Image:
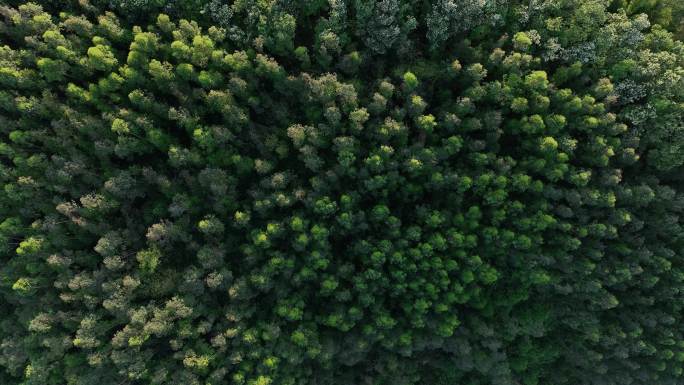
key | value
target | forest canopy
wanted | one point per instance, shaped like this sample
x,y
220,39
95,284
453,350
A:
x,y
333,192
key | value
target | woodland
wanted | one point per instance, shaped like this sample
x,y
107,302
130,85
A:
x,y
342,192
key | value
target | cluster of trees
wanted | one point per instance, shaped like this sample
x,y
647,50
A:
x,y
341,192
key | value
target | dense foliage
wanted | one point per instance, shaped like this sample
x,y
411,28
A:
x,y
341,192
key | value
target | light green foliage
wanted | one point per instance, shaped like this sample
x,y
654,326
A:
x,y
521,41
148,259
